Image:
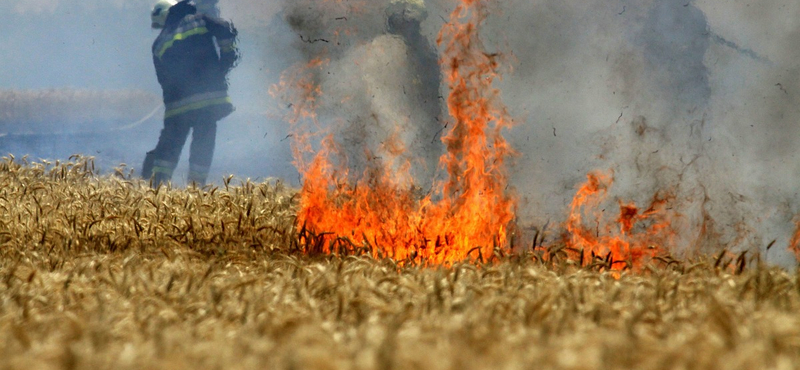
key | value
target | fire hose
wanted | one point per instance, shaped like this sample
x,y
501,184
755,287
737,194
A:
x,y
139,122
128,126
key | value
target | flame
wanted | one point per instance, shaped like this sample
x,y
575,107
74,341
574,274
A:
x,y
468,214
631,239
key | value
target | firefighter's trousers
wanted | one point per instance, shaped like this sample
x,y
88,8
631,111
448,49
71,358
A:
x,y
160,163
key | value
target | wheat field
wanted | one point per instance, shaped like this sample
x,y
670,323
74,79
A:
x,y
102,272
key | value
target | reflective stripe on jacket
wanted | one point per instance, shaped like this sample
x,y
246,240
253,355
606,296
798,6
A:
x,y
196,101
190,26
191,70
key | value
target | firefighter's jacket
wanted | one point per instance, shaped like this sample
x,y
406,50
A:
x,y
192,56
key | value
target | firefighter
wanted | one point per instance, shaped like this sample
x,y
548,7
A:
x,y
192,56
404,18
676,38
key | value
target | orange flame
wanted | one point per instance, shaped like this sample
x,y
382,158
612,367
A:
x,y
633,238
472,211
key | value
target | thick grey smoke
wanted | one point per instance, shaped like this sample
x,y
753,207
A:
x,y
669,95
692,98
646,89
381,95
667,109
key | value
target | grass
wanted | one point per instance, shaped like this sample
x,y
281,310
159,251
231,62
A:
x,y
101,272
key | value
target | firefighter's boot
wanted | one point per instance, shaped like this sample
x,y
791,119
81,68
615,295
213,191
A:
x,y
162,172
147,166
198,175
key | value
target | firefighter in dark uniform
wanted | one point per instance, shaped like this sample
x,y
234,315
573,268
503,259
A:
x,y
676,38
404,19
192,55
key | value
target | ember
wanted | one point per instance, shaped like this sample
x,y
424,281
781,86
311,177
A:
x,y
794,242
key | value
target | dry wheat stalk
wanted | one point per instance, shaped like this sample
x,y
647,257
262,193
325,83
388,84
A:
x,y
101,272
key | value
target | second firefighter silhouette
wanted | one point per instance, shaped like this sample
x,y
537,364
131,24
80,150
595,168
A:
x,y
404,19
192,56
676,38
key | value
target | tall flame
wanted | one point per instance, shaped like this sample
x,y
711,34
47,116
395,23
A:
x,y
467,215
469,212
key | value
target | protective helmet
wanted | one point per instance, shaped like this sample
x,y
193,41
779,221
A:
x,y
402,12
158,16
408,9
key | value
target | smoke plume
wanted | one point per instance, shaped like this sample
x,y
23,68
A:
x,y
689,98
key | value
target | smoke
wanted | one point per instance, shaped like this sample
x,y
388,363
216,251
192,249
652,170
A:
x,y
691,98
381,93
600,84
643,89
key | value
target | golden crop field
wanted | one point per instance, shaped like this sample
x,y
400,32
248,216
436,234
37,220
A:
x,y
102,272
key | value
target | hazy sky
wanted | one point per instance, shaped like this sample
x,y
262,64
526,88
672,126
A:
x,y
49,44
